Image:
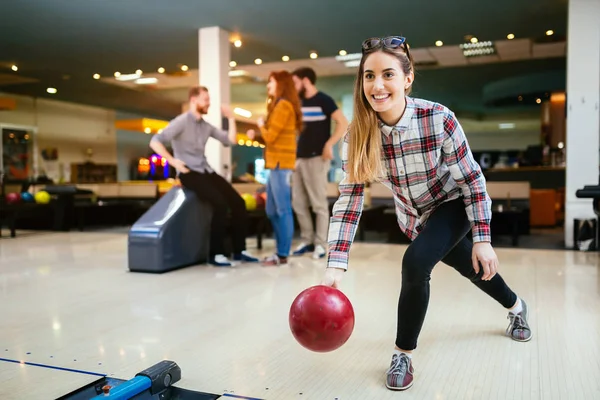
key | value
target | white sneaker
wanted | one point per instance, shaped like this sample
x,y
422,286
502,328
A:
x,y
221,261
319,252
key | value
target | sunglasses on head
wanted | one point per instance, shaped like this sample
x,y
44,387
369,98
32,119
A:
x,y
390,42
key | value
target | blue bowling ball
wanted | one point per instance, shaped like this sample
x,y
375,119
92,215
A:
x,y
27,197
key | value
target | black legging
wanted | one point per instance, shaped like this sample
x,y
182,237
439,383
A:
x,y
214,189
442,239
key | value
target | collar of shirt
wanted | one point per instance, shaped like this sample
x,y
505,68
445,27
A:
x,y
193,117
404,122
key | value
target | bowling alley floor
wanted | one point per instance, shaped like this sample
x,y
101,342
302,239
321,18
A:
x,y
67,300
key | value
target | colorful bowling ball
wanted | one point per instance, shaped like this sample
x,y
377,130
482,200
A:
x,y
250,201
13,198
321,318
42,197
27,197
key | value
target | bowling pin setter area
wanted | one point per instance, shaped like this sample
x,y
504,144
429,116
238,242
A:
x,y
72,314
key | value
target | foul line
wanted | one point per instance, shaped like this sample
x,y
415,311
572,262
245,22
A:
x,y
52,367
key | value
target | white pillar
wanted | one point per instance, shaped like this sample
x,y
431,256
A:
x,y
583,109
214,54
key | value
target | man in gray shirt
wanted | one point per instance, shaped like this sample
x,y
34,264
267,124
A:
x,y
188,134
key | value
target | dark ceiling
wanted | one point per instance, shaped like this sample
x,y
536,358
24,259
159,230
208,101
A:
x,y
65,42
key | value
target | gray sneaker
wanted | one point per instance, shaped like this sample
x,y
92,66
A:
x,y
518,328
400,373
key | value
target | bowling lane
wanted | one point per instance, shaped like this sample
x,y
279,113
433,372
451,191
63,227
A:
x,y
21,381
71,297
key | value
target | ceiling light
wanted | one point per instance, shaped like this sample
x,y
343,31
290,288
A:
x,y
510,36
161,70
237,73
549,32
352,63
478,49
51,90
343,52
507,125
117,74
232,64
237,43
14,68
349,57
242,112
184,67
314,55
474,40
138,71
126,77
96,76
538,100
258,61
285,58
146,81
439,43
147,130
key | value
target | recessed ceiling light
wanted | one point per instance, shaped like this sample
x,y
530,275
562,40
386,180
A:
x,y
510,36
117,74
474,40
161,70
232,64
96,76
549,32
343,52
51,90
14,68
184,67
285,58
439,43
138,71
258,61
314,55
538,100
237,43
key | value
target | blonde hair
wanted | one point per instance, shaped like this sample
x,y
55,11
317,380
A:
x,y
364,137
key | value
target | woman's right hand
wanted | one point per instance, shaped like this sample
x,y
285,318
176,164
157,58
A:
x,y
333,277
179,166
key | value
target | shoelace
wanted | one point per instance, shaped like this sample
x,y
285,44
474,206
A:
x,y
399,366
516,321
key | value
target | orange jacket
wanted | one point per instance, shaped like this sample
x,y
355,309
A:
x,y
279,136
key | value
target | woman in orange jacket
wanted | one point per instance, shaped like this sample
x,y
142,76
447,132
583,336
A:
x,y
279,134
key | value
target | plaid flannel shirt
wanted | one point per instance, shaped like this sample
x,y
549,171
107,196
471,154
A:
x,y
427,161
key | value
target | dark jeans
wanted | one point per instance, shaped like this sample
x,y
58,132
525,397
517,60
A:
x,y
442,239
214,189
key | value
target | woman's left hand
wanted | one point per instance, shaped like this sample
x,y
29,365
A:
x,y
260,122
484,253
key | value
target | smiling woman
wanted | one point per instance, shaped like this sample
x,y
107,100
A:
x,y
419,151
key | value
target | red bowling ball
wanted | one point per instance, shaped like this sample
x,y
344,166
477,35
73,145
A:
x,y
321,318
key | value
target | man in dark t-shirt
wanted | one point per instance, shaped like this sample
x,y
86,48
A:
x,y
314,155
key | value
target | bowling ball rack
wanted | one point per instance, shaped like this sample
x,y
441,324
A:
x,y
154,383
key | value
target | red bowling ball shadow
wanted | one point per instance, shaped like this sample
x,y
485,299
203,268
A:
x,y
321,318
